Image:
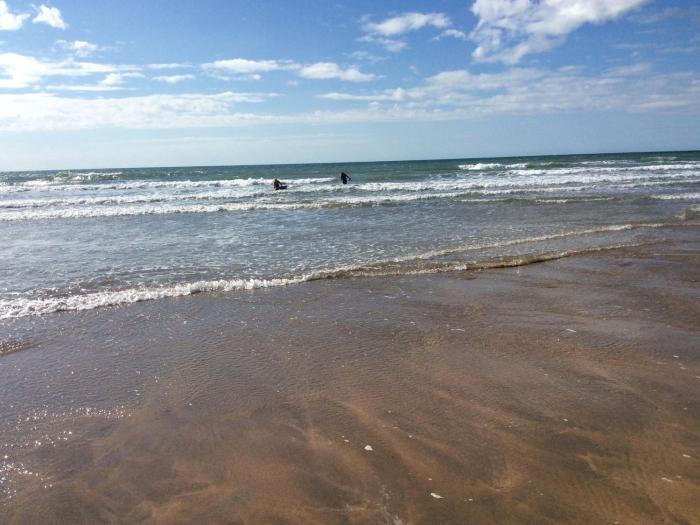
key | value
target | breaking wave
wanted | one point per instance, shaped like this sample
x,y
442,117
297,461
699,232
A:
x,y
406,265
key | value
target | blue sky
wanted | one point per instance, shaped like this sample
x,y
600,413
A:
x,y
164,83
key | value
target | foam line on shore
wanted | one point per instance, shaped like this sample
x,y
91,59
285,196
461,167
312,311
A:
x,y
22,307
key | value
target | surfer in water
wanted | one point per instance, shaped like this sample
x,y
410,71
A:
x,y
278,185
344,177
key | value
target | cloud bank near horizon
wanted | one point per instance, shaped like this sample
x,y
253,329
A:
x,y
491,58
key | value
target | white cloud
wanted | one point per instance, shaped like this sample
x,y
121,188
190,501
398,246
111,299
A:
x,y
401,24
632,88
247,69
390,44
171,65
50,16
384,33
20,71
366,57
390,95
79,48
8,20
450,95
252,69
83,87
44,111
174,79
328,70
510,29
243,66
452,33
112,80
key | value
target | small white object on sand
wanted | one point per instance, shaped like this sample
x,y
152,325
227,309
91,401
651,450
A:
x,y
436,496
368,448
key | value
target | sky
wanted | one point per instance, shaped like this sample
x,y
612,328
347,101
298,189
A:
x,y
103,84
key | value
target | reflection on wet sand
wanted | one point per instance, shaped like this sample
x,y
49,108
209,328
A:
x,y
565,392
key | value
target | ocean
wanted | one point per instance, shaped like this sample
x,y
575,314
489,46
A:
x,y
83,239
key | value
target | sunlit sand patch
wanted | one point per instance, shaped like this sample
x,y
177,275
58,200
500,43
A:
x,y
516,423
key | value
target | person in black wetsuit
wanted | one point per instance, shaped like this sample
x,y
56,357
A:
x,y
278,185
344,177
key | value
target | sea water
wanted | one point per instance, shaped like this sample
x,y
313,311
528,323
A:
x,y
82,239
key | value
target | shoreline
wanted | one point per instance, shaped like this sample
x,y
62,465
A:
x,y
561,392
431,262
341,164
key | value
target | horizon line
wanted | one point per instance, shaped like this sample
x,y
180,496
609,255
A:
x,y
431,159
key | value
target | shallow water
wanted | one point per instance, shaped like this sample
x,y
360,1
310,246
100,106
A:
x,y
564,392
82,239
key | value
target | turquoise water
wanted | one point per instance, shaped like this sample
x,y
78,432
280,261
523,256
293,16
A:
x,y
82,239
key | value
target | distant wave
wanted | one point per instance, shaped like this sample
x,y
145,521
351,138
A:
x,y
253,191
585,166
64,177
516,177
116,211
534,200
164,203
405,265
481,166
690,166
60,184
674,197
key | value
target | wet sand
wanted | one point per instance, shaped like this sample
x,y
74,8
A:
x,y
561,392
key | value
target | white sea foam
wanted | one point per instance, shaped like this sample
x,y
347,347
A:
x,y
117,211
686,166
92,175
481,166
79,212
600,165
22,306
677,196
513,178
456,186
541,201
60,184
141,198
537,238
368,194
523,180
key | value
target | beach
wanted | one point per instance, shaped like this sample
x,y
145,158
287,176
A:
x,y
350,263
560,392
